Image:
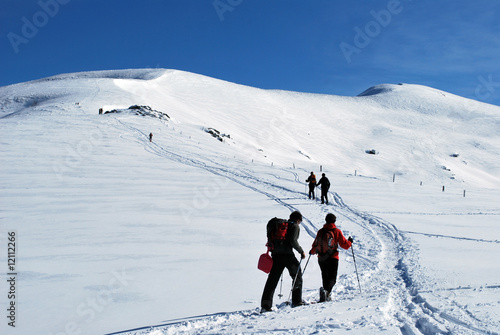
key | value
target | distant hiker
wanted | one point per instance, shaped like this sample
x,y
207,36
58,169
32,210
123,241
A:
x,y
100,111
325,186
150,137
282,238
326,246
312,184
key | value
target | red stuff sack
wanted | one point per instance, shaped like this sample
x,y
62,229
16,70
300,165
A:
x,y
265,262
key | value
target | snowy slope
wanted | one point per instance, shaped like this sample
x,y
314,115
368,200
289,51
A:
x,y
115,232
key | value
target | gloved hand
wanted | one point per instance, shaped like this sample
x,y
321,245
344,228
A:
x,y
303,255
350,239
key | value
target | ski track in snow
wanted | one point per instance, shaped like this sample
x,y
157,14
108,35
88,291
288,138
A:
x,y
387,259
452,237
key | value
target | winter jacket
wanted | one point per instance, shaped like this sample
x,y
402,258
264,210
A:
x,y
311,180
291,242
340,240
324,182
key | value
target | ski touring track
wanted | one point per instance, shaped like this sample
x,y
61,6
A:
x,y
387,263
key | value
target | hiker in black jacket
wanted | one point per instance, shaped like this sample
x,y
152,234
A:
x,y
325,186
283,257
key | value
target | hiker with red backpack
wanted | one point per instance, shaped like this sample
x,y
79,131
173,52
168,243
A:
x,y
282,239
326,244
312,184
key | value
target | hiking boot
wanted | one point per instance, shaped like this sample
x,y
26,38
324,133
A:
x,y
322,295
297,304
265,309
328,296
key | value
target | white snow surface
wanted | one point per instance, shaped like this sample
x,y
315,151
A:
x,y
117,234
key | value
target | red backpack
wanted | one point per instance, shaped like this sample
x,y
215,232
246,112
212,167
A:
x,y
276,231
326,243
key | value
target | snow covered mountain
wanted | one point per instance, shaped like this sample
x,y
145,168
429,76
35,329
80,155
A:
x,y
117,232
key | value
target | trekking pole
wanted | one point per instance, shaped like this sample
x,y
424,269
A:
x,y
305,267
281,286
355,267
294,280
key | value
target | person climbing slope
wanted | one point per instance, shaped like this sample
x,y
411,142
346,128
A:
x,y
282,240
312,184
325,245
325,186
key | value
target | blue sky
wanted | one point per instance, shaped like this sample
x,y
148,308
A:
x,y
337,47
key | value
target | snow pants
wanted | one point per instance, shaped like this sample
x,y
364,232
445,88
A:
x,y
329,268
280,262
311,191
324,195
